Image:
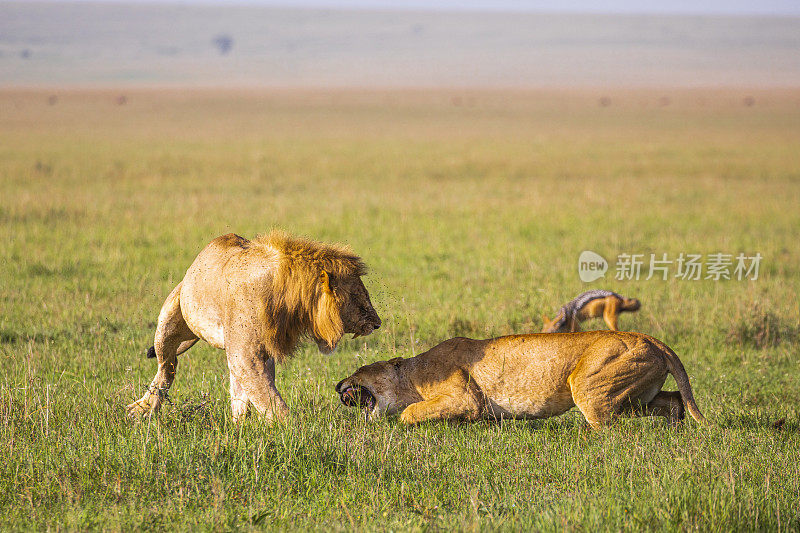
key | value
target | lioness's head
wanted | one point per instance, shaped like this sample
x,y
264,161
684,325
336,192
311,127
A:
x,y
381,388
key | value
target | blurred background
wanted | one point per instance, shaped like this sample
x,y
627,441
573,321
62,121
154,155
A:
x,y
380,43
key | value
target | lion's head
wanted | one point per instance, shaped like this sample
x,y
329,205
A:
x,y
317,291
343,307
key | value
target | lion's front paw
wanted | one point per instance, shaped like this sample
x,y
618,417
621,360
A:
x,y
276,413
409,416
138,409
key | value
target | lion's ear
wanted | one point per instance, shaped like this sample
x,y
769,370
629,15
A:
x,y
545,319
328,325
325,282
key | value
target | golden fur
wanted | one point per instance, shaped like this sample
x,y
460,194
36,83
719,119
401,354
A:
x,y
256,300
605,374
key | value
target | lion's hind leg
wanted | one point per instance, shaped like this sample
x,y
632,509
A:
x,y
172,337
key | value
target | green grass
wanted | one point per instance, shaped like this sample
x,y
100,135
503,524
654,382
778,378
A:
x,y
471,218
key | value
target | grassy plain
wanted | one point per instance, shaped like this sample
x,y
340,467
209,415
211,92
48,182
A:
x,y
471,209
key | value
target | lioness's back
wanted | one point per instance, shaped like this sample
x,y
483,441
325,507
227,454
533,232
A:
x,y
527,375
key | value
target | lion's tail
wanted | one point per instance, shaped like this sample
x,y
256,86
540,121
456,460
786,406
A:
x,y
151,352
682,379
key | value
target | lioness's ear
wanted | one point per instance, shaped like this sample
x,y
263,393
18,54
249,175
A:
x,y
545,319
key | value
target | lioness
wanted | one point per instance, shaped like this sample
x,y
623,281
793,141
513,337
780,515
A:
x,y
605,374
256,299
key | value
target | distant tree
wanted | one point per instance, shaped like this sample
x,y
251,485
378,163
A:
x,y
224,43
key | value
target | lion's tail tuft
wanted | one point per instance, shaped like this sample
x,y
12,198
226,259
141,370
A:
x,y
151,352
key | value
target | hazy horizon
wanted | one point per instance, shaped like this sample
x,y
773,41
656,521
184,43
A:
x,y
678,7
155,44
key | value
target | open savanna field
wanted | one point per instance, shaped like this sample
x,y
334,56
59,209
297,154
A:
x,y
470,208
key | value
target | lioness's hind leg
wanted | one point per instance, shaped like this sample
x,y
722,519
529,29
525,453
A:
x,y
614,379
668,404
172,336
601,405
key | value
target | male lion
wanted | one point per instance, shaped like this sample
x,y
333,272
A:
x,y
605,374
256,300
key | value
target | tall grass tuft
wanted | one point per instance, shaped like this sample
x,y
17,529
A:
x,y
757,326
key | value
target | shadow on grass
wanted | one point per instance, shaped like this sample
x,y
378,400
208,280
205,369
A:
x,y
759,421
10,336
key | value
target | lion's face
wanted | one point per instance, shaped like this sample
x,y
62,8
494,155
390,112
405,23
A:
x,y
358,315
380,389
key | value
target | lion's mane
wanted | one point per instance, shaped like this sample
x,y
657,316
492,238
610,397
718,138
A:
x,y
302,299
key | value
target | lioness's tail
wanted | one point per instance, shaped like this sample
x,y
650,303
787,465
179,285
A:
x,y
151,352
682,379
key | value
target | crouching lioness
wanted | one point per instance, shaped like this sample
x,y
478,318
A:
x,y
606,374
